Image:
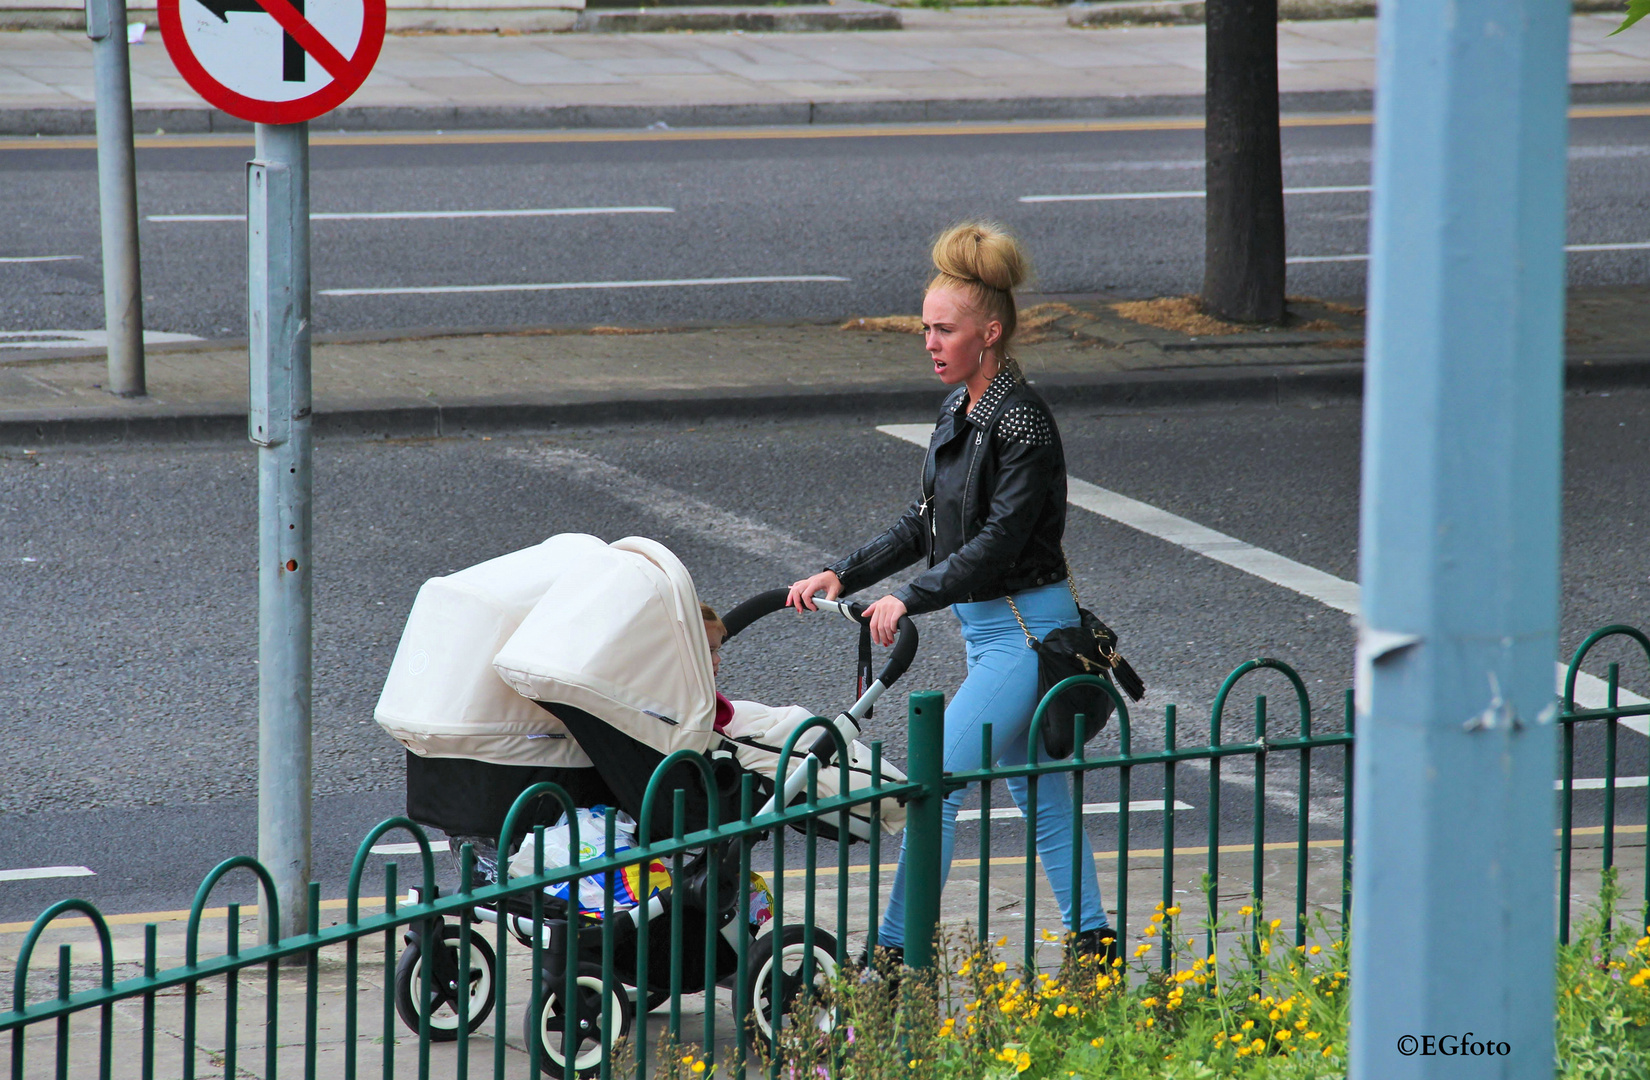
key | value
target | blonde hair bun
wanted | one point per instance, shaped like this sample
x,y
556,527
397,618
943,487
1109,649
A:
x,y
982,252
983,261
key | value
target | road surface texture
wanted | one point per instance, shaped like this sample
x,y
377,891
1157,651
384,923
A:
x,y
686,223
128,675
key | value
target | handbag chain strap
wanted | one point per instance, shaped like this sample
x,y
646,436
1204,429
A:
x,y
1108,653
1031,642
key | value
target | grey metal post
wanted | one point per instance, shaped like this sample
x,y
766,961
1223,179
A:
x,y
1452,921
278,423
117,196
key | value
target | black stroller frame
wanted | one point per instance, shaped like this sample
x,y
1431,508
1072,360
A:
x,y
590,971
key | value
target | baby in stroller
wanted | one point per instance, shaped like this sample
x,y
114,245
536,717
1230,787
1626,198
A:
x,y
588,664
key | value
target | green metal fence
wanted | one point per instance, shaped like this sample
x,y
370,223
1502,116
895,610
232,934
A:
x,y
453,972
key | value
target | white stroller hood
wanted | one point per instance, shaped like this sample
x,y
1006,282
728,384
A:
x,y
442,697
618,634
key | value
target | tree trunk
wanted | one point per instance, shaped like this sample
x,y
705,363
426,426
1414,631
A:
x,y
1243,267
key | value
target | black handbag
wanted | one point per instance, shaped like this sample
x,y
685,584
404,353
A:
x,y
1087,649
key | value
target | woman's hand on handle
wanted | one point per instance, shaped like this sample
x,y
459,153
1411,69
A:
x,y
802,592
885,615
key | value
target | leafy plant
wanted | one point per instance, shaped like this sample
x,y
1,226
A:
x,y
1636,10
1266,1009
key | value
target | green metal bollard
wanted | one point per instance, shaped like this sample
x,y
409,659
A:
x,y
925,765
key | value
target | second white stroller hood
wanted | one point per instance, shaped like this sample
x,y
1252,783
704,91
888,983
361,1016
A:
x,y
442,697
618,634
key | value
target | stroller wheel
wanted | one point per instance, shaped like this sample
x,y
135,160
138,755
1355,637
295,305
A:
x,y
796,1002
590,1046
444,984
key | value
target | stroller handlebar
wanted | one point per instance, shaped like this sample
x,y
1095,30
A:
x,y
766,603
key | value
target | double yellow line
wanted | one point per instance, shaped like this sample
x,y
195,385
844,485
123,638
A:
x,y
873,131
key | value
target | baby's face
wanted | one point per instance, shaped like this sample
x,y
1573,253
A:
x,y
715,638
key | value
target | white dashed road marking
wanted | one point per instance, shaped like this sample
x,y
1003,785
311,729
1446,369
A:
x,y
422,215
409,848
567,286
1126,196
32,873
1012,813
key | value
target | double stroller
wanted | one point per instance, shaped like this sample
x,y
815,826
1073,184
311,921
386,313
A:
x,y
586,664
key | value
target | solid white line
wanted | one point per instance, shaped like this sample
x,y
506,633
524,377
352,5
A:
x,y
419,215
1635,245
409,848
1125,196
1596,783
1012,813
1325,258
1331,591
36,258
564,286
33,872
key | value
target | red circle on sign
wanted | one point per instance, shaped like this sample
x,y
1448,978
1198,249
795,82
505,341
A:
x,y
257,110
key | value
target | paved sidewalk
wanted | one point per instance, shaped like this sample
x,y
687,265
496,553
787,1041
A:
x,y
1079,349
966,63
959,906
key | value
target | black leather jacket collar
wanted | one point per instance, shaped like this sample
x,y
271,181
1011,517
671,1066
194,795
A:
x,y
993,506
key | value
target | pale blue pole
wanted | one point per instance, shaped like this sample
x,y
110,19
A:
x,y
1452,921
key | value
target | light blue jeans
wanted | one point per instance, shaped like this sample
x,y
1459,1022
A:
x,y
1001,690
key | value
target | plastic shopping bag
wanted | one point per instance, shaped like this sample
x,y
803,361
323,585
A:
x,y
626,884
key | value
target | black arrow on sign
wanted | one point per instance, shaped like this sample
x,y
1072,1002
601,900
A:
x,y
292,55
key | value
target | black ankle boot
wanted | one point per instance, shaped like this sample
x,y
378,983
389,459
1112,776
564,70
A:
x,y
1099,944
890,958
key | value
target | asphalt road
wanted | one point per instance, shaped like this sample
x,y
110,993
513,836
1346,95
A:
x,y
859,209
127,666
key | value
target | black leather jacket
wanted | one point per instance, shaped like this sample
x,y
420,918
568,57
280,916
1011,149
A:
x,y
993,506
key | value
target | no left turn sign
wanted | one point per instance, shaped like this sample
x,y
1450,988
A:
x,y
273,61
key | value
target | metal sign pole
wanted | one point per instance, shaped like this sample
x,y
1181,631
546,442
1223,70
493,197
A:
x,y
117,196
1452,928
278,424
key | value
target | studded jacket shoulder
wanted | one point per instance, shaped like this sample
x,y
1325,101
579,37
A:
x,y
992,512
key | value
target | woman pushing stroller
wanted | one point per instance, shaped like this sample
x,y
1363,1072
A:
x,y
989,524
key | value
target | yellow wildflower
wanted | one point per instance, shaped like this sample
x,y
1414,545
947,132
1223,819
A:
x,y
1097,1042
1142,950
1157,918
999,967
698,1066
1022,1062
1315,950
1246,910
1149,931
1172,912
